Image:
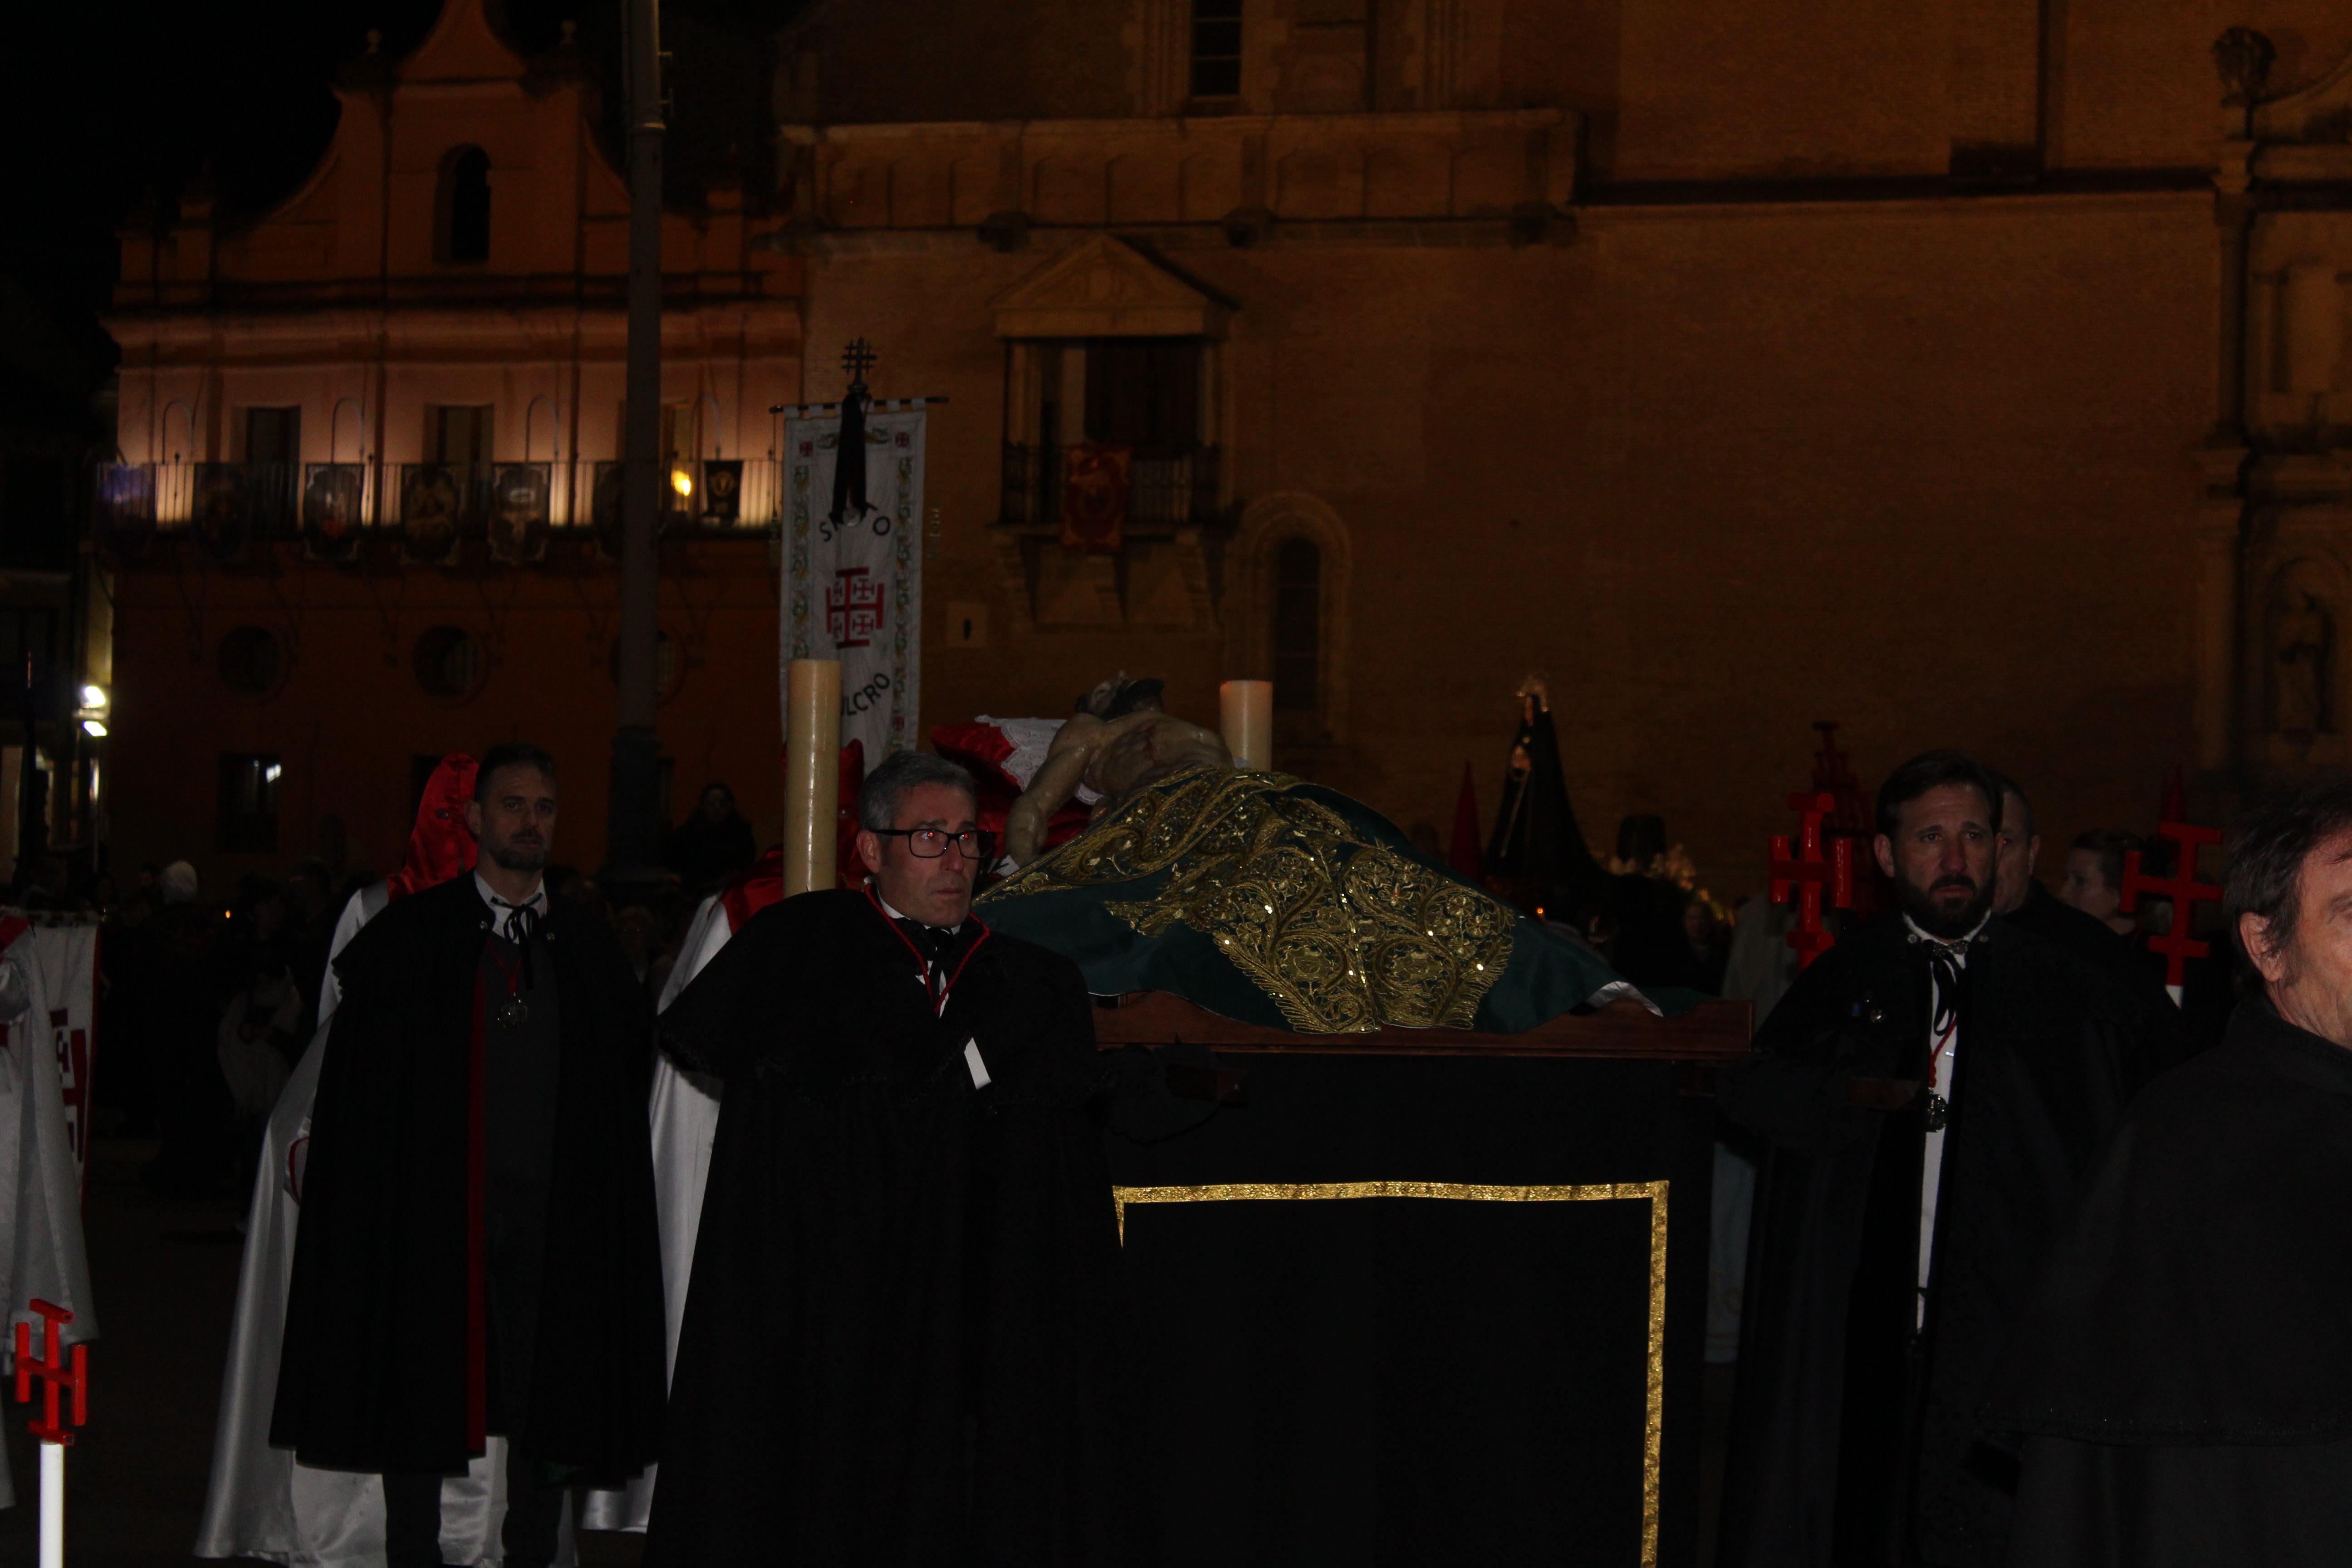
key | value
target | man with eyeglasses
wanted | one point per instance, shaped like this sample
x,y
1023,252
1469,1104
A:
x,y
893,1342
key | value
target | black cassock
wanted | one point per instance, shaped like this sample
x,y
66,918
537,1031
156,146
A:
x,y
391,1323
1854,1439
903,1286
2183,1375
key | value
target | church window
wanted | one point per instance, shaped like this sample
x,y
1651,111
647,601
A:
x,y
458,433
249,802
1144,393
1297,626
1216,49
463,211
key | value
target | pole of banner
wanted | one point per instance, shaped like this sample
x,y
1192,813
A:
x,y
1246,710
52,1369
812,773
53,1505
634,818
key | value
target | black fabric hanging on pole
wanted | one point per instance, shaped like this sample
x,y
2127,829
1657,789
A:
x,y
849,459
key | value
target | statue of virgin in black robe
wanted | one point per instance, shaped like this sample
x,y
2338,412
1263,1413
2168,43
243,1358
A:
x,y
1854,1439
903,1285
2182,1378
1536,838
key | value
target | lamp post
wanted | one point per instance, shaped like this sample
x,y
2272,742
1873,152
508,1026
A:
x,y
633,824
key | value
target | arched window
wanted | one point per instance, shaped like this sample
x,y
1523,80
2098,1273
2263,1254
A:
x,y
1298,628
463,209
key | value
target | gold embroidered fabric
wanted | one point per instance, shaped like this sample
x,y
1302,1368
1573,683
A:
x,y
1344,933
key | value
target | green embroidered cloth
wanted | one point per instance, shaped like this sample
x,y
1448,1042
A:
x,y
1275,901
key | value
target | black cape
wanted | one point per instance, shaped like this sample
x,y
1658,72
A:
x,y
2183,1373
1853,1440
903,1286
383,1364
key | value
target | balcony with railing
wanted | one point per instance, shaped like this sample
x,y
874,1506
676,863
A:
x,y
427,512
1164,493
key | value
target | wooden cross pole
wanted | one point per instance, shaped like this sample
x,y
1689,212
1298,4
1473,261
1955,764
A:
x,y
1807,872
2177,945
55,1436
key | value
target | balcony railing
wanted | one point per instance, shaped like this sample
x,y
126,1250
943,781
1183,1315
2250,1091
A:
x,y
1163,493
429,507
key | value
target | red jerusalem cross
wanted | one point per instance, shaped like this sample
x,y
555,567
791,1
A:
x,y
1807,869
853,607
2185,891
51,1370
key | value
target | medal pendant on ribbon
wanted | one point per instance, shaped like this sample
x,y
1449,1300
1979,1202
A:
x,y
1939,1111
512,1012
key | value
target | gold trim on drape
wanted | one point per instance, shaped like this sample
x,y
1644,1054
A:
x,y
1461,1191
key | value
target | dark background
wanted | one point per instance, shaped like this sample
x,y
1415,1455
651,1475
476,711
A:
x,y
118,105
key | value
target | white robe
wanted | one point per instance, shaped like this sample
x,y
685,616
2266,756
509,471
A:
x,y
260,1503
685,1112
40,1181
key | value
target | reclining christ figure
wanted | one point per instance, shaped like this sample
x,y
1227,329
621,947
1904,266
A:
x,y
1261,897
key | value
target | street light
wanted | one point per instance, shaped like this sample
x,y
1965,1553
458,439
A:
x,y
94,728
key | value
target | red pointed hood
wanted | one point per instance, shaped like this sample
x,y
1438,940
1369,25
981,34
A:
x,y
439,847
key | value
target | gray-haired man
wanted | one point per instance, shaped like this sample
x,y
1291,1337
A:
x,y
892,1347
2182,1378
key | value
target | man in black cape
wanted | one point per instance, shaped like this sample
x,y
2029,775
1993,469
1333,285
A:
x,y
1936,1062
478,1253
905,1277
2182,1378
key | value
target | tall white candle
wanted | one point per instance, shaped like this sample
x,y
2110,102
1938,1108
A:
x,y
1246,708
812,772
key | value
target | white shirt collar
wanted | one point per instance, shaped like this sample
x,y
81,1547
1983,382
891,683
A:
x,y
896,916
536,903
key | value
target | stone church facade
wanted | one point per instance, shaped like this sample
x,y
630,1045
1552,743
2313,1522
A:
x,y
1970,375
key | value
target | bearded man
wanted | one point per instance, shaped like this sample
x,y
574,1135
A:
x,y
1933,1093
478,1254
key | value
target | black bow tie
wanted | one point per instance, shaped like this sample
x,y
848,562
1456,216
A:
x,y
935,943
1944,965
521,922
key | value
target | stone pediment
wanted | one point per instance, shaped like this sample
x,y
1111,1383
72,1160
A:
x,y
1104,287
2319,113
462,47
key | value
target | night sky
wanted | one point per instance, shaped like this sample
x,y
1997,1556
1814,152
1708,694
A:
x,y
128,97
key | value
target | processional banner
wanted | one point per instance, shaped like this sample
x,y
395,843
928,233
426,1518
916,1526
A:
x,y
853,585
45,1109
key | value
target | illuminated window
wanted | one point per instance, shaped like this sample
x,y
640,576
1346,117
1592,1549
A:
x,y
249,802
1216,49
463,211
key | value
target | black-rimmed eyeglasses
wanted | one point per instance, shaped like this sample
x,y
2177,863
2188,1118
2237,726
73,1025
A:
x,y
930,843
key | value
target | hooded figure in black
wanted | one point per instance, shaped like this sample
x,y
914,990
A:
x,y
1936,1061
1535,838
2182,1377
478,1253
905,1278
